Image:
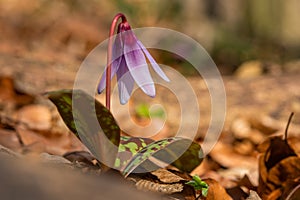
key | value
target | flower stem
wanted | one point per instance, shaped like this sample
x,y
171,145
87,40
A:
x,y
109,55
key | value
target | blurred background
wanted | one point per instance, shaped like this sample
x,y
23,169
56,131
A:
x,y
232,31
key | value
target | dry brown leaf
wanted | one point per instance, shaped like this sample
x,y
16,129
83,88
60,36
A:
x,y
166,177
274,195
278,150
292,189
225,156
54,144
7,152
247,182
147,185
216,191
9,139
276,167
36,117
245,147
205,166
9,94
263,175
253,196
242,129
237,192
264,124
287,169
295,144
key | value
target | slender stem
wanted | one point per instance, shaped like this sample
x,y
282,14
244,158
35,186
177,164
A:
x,y
109,56
287,127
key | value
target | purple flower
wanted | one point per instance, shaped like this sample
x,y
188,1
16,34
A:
x,y
129,63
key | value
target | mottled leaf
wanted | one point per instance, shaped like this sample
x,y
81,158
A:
x,y
128,147
181,152
90,121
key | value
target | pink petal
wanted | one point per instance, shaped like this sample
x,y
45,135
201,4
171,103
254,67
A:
x,y
136,63
125,82
154,64
116,60
102,83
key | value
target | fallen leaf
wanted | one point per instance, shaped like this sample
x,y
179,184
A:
x,y
292,189
216,191
277,165
224,155
166,177
9,139
54,144
274,195
237,192
264,124
10,94
146,185
287,169
244,147
8,152
278,150
36,117
253,196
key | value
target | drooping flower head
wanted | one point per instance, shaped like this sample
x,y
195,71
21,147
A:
x,y
130,65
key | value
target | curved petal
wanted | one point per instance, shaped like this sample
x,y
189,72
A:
x,y
125,82
117,50
137,64
102,83
116,60
154,64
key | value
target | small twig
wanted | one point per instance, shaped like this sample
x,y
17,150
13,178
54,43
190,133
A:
x,y
287,126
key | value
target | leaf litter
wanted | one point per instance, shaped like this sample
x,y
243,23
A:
x,y
278,167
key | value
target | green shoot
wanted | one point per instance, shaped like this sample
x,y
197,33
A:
x,y
198,184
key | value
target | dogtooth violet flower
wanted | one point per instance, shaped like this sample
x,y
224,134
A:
x,y
130,65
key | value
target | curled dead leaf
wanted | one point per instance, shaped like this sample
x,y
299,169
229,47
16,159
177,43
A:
x,y
287,169
216,191
278,150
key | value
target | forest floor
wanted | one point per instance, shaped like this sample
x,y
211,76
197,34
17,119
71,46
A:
x,y
244,161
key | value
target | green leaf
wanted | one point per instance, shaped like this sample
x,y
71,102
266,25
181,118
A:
x,y
181,152
143,111
198,184
92,123
128,147
190,159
